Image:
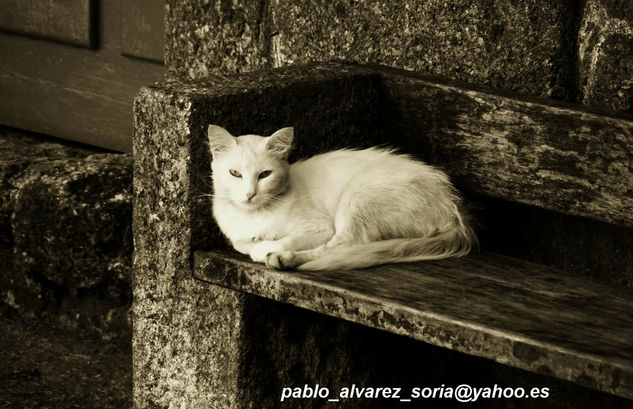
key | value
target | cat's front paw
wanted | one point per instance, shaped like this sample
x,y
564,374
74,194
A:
x,y
282,260
262,249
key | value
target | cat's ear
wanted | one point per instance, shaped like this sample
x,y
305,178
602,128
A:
x,y
220,140
279,143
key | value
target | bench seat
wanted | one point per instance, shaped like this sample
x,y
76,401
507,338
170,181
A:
x,y
517,313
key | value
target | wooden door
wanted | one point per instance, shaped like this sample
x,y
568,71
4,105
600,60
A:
x,y
71,68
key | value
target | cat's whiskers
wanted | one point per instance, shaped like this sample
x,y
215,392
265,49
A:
x,y
217,196
273,201
211,195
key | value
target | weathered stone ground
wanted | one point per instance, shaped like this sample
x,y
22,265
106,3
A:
x,y
48,367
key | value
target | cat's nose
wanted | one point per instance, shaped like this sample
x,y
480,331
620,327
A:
x,y
250,195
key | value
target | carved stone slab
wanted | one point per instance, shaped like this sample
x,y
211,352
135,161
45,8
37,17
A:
x,y
558,157
518,313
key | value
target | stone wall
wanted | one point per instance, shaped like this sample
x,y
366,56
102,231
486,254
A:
x,y
573,50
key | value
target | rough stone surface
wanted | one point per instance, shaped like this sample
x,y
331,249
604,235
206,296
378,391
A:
x,y
291,347
18,150
527,47
606,54
524,46
557,157
563,49
171,319
204,37
186,348
70,235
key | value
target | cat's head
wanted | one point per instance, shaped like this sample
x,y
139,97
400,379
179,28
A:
x,y
250,170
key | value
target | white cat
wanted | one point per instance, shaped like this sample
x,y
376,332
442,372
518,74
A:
x,y
338,210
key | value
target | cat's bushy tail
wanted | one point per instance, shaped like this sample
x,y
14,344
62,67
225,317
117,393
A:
x,y
456,242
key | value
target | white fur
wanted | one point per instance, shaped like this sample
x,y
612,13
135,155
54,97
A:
x,y
339,210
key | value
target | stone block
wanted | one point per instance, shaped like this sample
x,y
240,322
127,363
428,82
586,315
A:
x,y
456,304
73,216
204,37
18,150
606,55
519,46
70,234
526,46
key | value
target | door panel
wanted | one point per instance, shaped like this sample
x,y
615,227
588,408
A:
x,y
70,21
76,93
143,35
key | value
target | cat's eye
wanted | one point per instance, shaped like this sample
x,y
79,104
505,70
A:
x,y
265,174
235,173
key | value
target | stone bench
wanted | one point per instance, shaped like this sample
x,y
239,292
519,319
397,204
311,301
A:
x,y
212,329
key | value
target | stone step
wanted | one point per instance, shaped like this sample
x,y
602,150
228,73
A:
x,y
514,312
